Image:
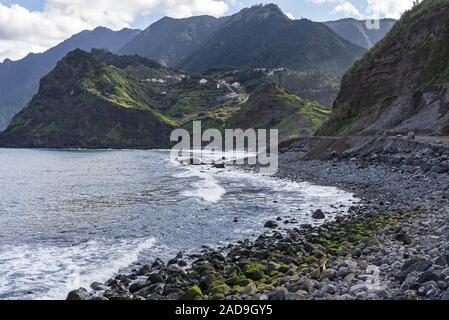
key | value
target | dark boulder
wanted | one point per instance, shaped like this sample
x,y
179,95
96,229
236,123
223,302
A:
x,y
78,295
412,265
318,215
155,278
137,286
219,165
429,276
271,225
404,238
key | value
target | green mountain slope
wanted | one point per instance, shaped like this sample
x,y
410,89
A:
x,y
19,80
85,103
272,107
400,85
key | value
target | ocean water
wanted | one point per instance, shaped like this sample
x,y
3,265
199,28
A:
x,y
72,217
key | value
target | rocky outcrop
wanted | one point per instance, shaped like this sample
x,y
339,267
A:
x,y
84,103
19,80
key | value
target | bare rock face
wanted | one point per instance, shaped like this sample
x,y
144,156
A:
x,y
402,84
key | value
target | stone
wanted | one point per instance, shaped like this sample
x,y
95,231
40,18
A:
x,y
404,238
250,289
146,269
343,272
78,295
356,252
412,265
431,289
445,273
222,289
206,282
158,264
155,278
295,296
272,266
271,225
96,286
124,280
358,288
137,286
439,169
330,274
429,276
302,285
219,166
277,295
111,282
182,263
315,274
329,289
349,278
443,260
443,285
445,296
254,271
194,293
318,215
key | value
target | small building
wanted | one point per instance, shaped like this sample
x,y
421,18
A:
x,y
236,85
221,84
203,81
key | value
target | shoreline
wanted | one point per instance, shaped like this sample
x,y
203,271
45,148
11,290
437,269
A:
x,y
393,245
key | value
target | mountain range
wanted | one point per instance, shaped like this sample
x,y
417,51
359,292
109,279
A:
x,y
103,100
260,36
293,64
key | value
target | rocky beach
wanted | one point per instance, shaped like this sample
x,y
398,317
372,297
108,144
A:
x,y
392,245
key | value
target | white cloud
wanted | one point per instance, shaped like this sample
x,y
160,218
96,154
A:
x,y
23,31
388,8
348,9
373,8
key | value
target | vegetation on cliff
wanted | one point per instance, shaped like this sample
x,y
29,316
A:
x,y
395,74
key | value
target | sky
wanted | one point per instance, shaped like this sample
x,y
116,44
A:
x,y
37,25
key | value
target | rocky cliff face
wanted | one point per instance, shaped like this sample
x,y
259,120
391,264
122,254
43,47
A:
x,y
263,36
402,83
19,80
84,103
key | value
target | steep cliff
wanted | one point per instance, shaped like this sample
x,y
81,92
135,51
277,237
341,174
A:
x,y
86,103
402,84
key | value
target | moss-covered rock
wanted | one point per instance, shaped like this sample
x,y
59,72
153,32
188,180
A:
x,y
223,289
194,293
255,271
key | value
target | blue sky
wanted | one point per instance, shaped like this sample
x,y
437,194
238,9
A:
x,y
36,25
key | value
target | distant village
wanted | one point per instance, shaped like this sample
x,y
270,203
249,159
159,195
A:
x,y
233,87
